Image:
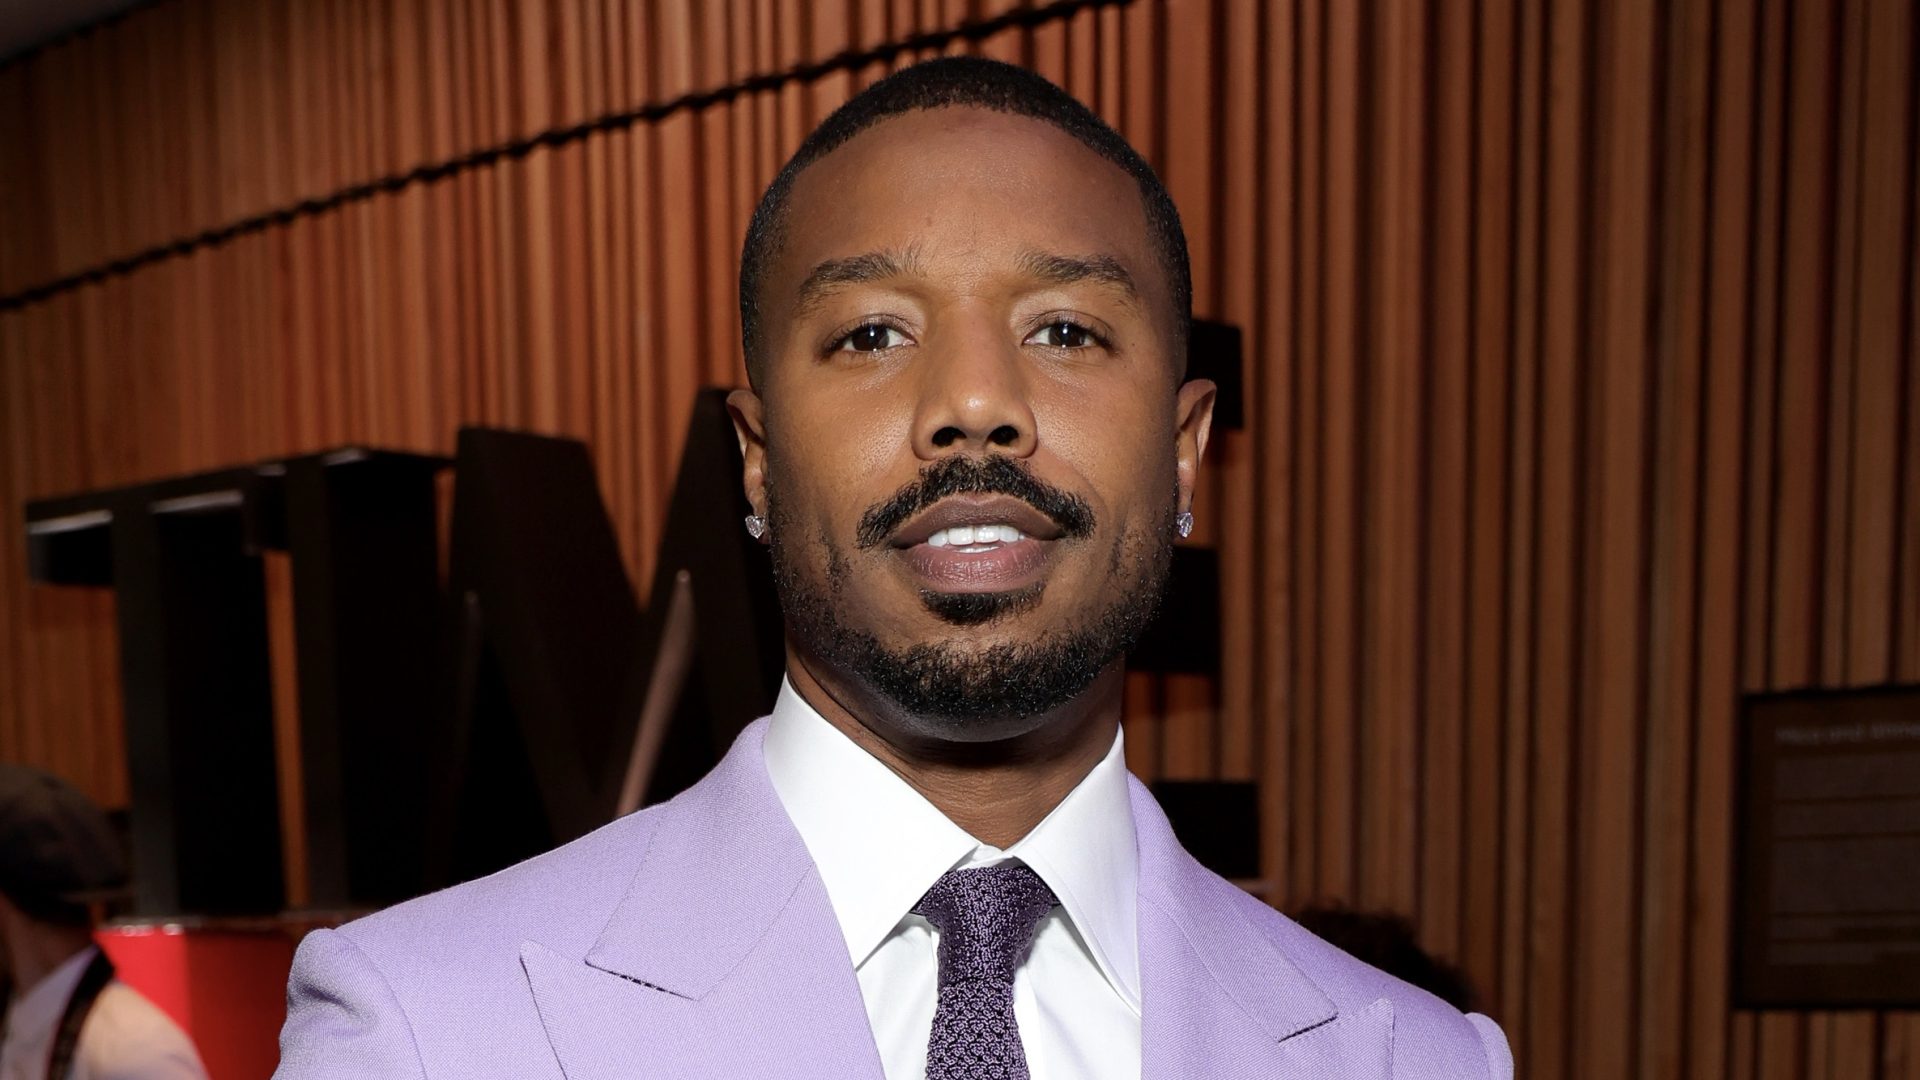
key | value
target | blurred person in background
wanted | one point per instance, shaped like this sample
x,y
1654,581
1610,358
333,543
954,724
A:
x,y
66,1017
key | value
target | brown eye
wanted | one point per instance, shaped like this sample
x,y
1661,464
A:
x,y
873,337
1064,335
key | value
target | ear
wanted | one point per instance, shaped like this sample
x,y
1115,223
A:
x,y
749,415
1193,417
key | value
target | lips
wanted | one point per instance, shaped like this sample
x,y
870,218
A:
x,y
961,544
969,511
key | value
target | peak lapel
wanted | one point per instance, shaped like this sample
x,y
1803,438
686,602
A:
x,y
723,959
1218,999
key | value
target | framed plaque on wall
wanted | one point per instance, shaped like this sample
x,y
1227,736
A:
x,y
1827,850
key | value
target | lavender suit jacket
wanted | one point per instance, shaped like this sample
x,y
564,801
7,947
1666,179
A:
x,y
695,940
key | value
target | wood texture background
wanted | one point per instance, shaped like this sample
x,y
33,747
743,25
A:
x,y
1582,392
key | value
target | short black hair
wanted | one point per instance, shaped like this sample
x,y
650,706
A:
x,y
964,81
52,910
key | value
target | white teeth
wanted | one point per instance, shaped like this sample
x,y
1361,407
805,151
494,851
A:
x,y
973,535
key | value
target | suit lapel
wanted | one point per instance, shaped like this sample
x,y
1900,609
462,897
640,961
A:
x,y
722,960
1218,998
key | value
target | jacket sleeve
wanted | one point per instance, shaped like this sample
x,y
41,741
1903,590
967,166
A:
x,y
343,1021
1499,1056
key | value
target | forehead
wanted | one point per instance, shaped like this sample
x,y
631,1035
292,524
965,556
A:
x,y
965,183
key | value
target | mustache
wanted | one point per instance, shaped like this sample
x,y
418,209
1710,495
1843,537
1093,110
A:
x,y
991,475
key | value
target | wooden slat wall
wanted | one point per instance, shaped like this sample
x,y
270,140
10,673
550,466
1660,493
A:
x,y
1583,391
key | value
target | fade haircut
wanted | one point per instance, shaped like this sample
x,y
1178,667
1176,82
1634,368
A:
x,y
961,81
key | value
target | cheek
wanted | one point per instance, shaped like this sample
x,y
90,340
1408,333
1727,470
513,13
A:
x,y
828,465
1120,444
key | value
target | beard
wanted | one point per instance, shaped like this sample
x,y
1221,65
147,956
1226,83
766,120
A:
x,y
969,692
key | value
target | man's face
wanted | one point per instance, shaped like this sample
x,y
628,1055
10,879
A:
x,y
969,437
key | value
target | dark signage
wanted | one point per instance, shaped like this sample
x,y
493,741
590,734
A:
x,y
1827,892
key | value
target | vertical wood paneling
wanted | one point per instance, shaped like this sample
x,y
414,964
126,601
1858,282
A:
x,y
1275,509
1723,543
1447,503
1884,256
1617,472
1392,433
1520,579
1303,802
1190,53
1662,1003
1582,390
1557,706
1336,511
1236,499
1489,574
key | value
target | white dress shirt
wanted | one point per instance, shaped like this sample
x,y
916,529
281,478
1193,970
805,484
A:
x,y
125,1037
879,845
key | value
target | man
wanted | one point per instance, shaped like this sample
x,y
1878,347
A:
x,y
971,445
66,1016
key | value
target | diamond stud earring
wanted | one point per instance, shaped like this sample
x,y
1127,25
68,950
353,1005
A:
x,y
757,526
1183,523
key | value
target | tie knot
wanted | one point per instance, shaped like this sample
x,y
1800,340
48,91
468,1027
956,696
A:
x,y
986,917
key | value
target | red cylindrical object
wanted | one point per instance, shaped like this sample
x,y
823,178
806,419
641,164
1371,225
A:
x,y
226,988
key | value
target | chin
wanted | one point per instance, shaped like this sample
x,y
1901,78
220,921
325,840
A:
x,y
975,734
967,669
982,609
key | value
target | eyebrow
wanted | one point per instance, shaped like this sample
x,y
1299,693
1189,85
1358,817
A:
x,y
853,270
1073,269
1048,268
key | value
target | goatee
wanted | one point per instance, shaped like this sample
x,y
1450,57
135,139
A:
x,y
971,691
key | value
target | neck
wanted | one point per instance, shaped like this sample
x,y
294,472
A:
x,y
997,791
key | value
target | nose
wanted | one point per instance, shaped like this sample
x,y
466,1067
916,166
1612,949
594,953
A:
x,y
973,398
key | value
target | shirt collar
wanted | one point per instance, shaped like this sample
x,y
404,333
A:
x,y
880,845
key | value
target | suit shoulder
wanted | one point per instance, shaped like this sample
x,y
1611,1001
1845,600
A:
x,y
435,986
1431,1037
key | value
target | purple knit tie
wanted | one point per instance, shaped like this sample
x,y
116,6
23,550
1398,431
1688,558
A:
x,y
986,918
